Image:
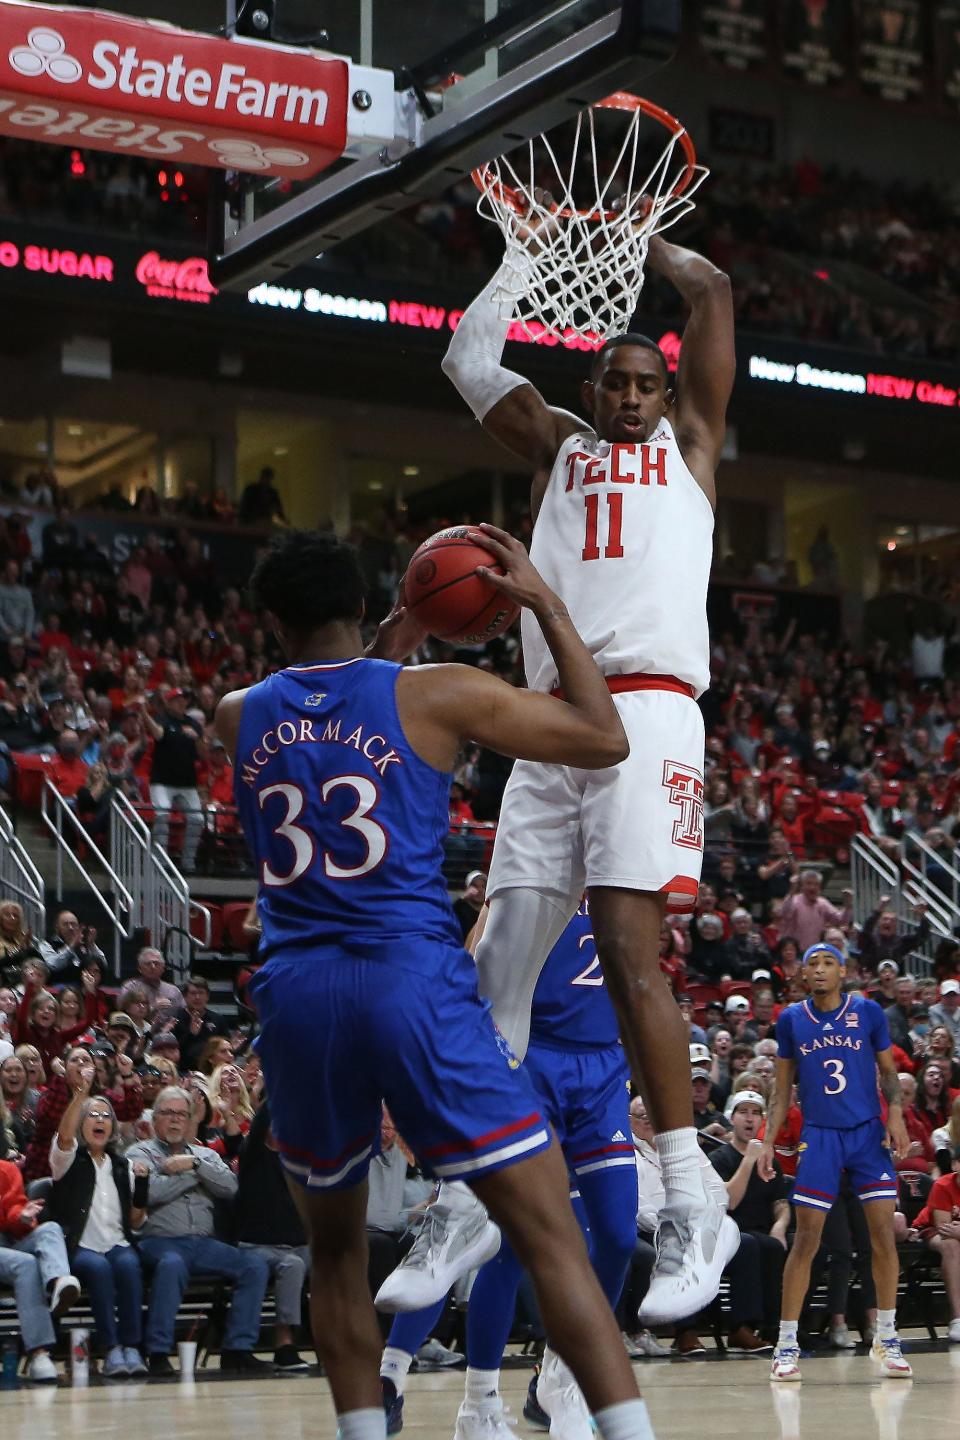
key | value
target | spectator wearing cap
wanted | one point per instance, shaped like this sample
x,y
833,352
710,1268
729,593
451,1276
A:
x,y
150,969
695,1033
762,1213
885,991
946,1012
882,938
173,773
806,913
713,1015
467,908
707,1114
166,1046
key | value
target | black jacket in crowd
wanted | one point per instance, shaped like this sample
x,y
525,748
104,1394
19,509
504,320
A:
x,y
70,1198
264,1212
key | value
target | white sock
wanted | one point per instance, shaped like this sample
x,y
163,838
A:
x,y
394,1365
788,1333
363,1424
628,1420
887,1324
481,1384
680,1160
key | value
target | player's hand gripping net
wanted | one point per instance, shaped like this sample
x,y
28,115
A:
x,y
577,234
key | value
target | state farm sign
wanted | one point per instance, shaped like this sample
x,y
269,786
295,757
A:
x,y
89,77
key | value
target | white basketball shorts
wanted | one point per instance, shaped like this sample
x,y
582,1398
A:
x,y
636,826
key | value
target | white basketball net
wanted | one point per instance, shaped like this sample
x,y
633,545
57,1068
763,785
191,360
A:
x,y
575,264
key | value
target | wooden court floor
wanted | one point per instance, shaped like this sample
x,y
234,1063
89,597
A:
x,y
839,1399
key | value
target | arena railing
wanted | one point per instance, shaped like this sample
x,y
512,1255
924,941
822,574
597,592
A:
x,y
73,842
162,902
20,879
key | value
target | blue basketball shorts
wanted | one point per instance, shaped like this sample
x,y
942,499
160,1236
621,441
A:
x,y
584,1095
340,1034
825,1153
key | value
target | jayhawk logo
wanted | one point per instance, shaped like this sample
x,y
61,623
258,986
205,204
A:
x,y
505,1050
314,700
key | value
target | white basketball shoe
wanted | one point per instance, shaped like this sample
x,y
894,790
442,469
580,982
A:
x,y
485,1419
457,1236
559,1395
693,1247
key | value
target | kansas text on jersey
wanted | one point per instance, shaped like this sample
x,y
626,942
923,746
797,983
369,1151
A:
x,y
835,1053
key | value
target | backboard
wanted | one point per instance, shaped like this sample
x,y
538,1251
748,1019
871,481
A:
x,y
470,79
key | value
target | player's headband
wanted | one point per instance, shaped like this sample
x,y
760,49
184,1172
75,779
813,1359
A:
x,y
822,945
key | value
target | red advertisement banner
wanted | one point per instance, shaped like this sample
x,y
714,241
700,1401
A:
x,y
92,78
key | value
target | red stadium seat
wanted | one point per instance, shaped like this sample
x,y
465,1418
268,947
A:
x,y
216,924
30,771
233,915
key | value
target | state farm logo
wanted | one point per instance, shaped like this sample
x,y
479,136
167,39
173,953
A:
x,y
175,279
45,53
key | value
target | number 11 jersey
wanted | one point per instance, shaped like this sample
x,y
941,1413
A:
x,y
346,822
625,538
835,1053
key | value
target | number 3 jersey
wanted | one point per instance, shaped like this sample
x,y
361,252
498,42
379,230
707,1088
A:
x,y
345,821
835,1053
625,538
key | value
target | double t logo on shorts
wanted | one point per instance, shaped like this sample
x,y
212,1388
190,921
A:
x,y
685,785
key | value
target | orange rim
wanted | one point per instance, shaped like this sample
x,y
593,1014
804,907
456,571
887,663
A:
x,y
514,199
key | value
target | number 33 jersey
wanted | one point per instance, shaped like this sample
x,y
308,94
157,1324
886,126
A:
x,y
625,538
835,1053
346,822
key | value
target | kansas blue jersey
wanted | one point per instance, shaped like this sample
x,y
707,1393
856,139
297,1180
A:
x,y
835,1053
571,1007
345,821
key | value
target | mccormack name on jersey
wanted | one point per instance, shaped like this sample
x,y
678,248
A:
x,y
346,821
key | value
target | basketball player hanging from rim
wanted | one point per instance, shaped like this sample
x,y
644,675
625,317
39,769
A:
x,y
623,530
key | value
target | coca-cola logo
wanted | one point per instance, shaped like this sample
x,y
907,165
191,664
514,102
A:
x,y
175,279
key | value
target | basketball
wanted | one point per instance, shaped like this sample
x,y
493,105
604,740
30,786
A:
x,y
446,595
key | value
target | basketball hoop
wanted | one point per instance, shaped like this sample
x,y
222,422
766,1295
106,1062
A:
x,y
577,235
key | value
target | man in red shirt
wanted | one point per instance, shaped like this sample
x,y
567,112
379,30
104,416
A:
x,y
943,1205
68,772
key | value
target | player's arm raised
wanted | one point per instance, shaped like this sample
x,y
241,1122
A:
x,y
708,359
779,1105
452,703
508,406
897,1137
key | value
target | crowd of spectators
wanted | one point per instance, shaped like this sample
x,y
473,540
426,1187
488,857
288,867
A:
x,y
777,230
110,676
139,1115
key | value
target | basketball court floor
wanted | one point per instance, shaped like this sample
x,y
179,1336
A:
x,y
723,1399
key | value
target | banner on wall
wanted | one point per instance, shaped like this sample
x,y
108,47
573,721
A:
x,y
735,33
815,40
891,47
947,50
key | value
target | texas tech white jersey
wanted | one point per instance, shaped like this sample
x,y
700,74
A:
x,y
625,538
